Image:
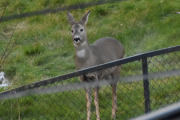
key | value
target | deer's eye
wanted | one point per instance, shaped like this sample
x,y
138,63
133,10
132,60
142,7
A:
x,y
72,31
81,30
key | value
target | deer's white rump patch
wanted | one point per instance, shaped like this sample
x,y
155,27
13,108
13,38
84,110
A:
x,y
81,53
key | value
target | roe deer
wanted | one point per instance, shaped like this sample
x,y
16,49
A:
x,y
104,50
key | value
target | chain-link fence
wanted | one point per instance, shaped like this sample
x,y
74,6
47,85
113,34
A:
x,y
147,82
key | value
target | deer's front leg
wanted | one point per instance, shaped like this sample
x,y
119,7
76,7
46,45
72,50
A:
x,y
88,102
96,102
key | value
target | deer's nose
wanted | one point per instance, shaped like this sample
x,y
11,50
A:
x,y
76,39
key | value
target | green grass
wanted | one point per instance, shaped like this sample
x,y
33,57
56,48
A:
x,y
44,49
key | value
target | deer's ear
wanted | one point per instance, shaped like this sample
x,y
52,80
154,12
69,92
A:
x,y
84,19
70,18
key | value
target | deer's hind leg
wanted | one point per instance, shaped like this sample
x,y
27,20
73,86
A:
x,y
115,77
114,100
96,102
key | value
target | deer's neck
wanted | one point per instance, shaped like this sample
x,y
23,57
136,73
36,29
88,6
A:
x,y
83,50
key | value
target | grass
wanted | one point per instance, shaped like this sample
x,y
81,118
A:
x,y
44,49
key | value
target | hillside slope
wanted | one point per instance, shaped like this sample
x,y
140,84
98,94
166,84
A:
x,y
43,46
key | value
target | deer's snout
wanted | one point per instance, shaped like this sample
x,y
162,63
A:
x,y
76,39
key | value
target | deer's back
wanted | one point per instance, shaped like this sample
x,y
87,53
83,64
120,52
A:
x,y
107,49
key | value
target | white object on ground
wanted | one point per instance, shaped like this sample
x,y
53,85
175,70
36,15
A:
x,y
3,80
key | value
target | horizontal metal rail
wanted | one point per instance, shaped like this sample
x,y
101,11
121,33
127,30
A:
x,y
92,69
59,9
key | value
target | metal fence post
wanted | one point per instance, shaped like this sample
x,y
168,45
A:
x,y
146,84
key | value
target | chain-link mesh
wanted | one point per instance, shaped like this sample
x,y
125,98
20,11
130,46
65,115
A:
x,y
164,91
66,99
